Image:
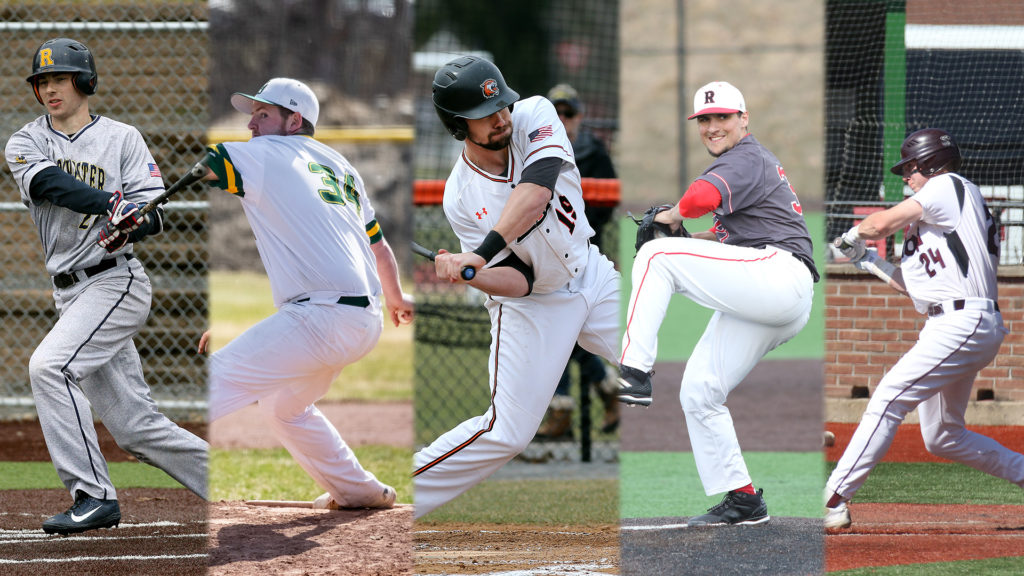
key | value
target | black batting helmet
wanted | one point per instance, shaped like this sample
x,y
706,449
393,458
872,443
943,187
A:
x,y
64,55
469,87
932,149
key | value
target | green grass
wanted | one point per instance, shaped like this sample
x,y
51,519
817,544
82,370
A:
x,y
685,321
240,299
41,476
553,502
665,484
272,474
992,567
935,483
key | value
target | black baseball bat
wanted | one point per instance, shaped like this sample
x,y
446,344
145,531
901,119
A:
x,y
194,175
468,272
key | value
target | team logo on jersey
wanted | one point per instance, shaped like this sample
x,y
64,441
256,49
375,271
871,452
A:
x,y
540,133
480,216
19,159
490,88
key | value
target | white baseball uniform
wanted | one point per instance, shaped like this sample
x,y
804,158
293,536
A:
x,y
949,266
88,360
574,298
313,224
759,281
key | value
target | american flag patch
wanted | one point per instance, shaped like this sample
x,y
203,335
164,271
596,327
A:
x,y
540,133
154,171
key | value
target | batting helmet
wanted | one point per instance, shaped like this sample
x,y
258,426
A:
x,y
932,149
469,87
64,55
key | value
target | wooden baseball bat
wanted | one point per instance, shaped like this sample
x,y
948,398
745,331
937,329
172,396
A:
x,y
882,269
468,272
280,503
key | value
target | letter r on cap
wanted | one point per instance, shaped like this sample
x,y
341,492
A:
x,y
709,97
45,57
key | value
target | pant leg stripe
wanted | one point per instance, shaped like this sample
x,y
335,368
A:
x,y
67,379
494,409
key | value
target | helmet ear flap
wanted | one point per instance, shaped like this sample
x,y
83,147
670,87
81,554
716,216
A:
x,y
86,84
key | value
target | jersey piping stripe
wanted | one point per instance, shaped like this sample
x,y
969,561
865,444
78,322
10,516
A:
x,y
494,409
909,385
728,190
511,163
67,381
542,148
643,279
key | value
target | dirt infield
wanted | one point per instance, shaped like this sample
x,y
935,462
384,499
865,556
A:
x,y
525,549
893,534
246,540
162,532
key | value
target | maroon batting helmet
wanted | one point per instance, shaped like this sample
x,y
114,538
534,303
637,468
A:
x,y
932,149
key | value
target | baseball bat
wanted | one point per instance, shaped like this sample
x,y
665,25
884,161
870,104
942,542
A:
x,y
194,175
280,503
468,272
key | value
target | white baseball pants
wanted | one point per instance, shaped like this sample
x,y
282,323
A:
x,y
286,363
531,340
936,376
761,298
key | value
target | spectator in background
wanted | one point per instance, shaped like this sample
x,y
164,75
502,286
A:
x,y
593,161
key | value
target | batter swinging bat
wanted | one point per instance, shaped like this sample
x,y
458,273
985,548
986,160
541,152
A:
x,y
468,272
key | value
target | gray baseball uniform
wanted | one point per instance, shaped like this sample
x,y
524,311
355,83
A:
x,y
88,359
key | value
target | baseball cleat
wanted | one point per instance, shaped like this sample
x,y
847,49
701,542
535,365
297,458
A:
x,y
634,386
838,517
327,502
737,508
87,513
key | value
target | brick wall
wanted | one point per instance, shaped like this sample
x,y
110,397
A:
x,y
869,326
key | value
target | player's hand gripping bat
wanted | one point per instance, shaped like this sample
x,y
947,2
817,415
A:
x,y
468,272
881,268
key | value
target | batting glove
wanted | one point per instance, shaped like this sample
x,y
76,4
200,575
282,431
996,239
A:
x,y
123,215
111,238
851,245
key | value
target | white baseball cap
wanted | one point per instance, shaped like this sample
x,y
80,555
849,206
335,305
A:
x,y
717,98
285,92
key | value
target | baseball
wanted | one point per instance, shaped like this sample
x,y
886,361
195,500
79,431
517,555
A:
x,y
830,438
405,318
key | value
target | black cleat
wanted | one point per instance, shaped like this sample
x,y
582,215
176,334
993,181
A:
x,y
735,508
634,386
87,513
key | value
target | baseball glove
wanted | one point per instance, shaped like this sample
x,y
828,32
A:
x,y
648,229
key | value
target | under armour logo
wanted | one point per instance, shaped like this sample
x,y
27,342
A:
x,y
480,215
709,97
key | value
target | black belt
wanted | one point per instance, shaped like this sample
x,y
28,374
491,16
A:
x,y
937,310
69,279
359,301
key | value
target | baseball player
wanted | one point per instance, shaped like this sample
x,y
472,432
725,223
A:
x,y
83,178
948,269
328,264
515,202
754,268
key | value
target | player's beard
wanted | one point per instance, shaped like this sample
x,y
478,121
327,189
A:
x,y
499,143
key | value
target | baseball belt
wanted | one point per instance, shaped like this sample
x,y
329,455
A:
x,y
962,303
358,301
69,279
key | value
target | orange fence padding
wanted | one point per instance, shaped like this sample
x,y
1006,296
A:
x,y
596,192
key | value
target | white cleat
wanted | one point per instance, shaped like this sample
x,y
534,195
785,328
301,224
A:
x,y
838,517
386,500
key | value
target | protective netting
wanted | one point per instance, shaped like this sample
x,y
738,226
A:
x,y
537,45
151,60
893,68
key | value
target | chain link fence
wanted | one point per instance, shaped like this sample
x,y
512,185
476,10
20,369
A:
x,y
536,45
152,64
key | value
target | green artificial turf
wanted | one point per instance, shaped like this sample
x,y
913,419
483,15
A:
x,y
665,484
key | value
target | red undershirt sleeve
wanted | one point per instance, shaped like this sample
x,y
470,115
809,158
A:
x,y
699,199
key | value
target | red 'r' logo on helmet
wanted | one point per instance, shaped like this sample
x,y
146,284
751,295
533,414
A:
x,y
490,88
